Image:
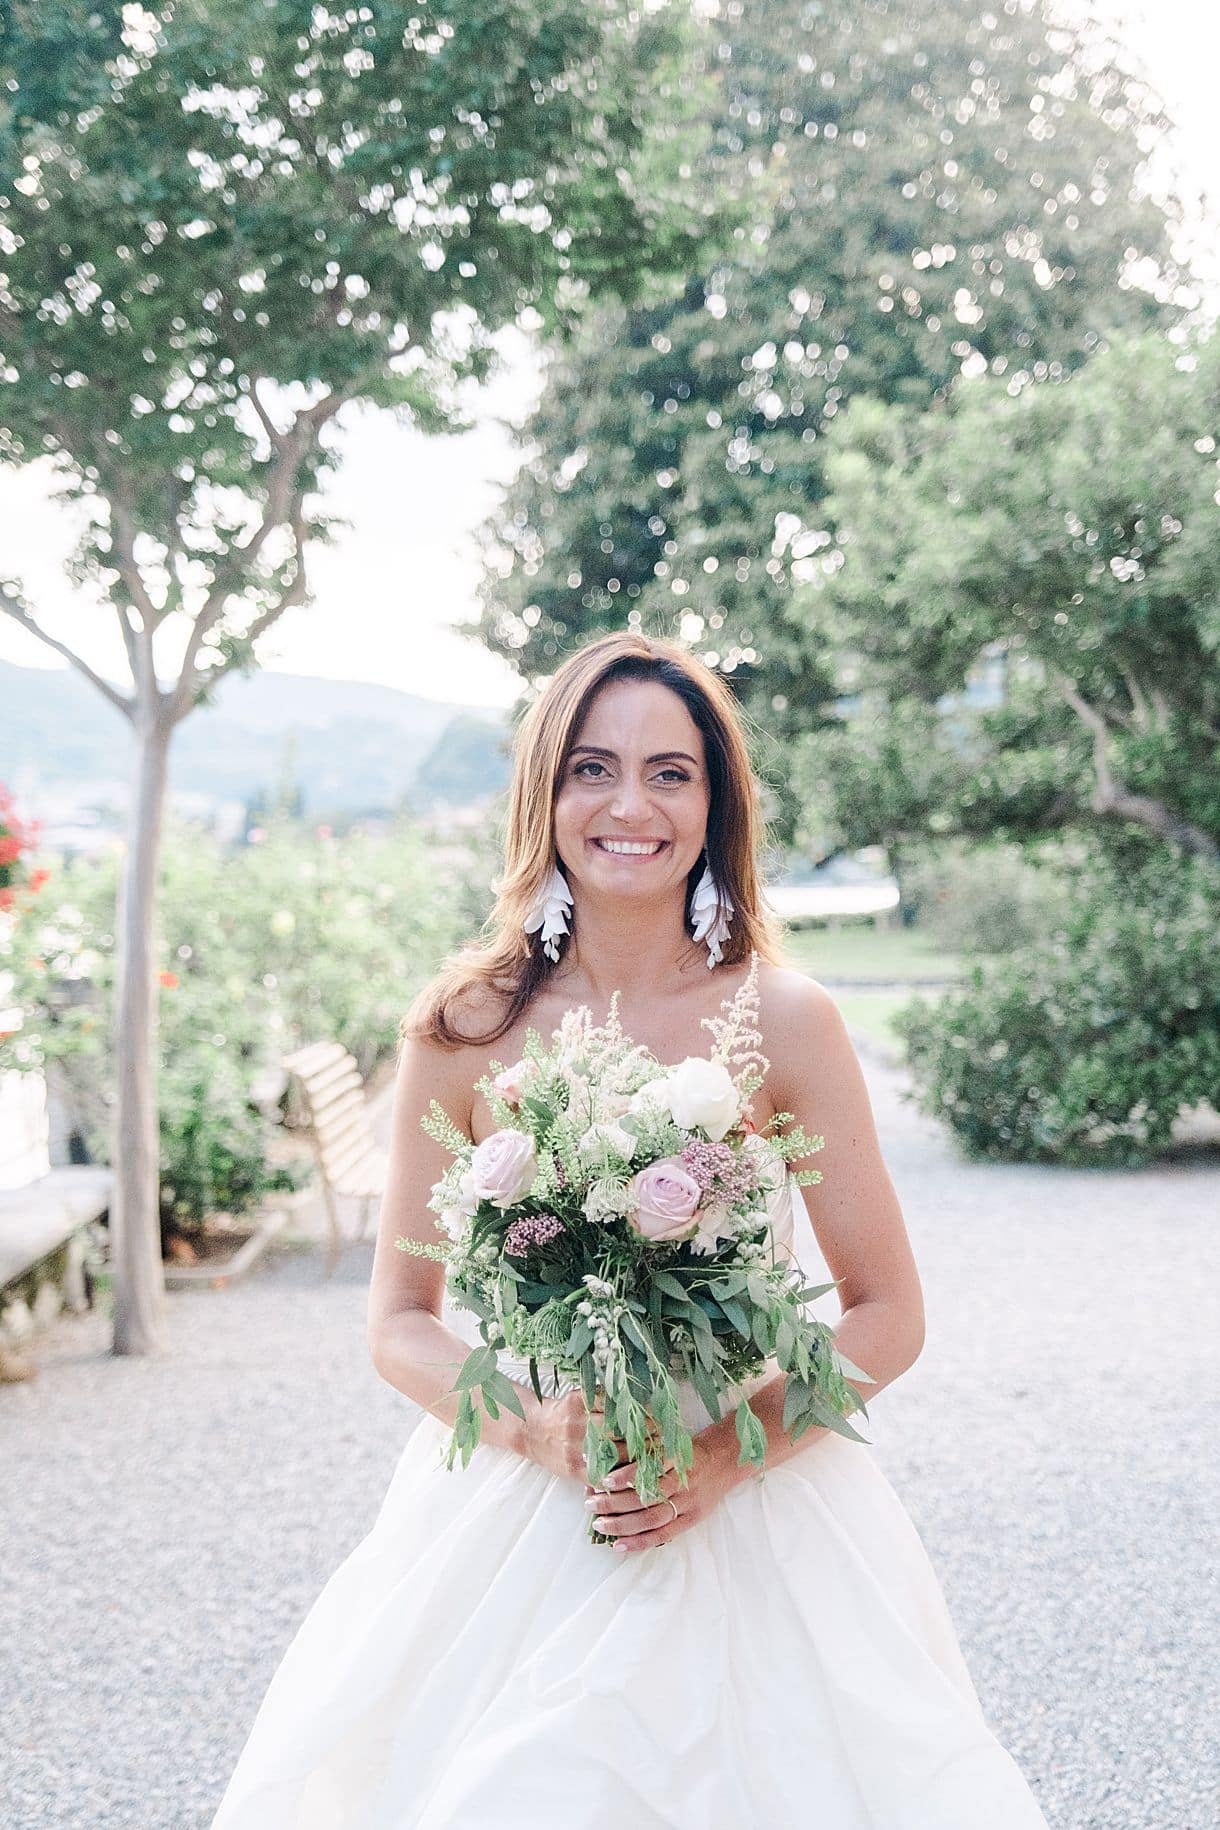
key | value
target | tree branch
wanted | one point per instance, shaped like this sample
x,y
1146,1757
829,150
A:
x,y
295,593
274,435
1139,703
1113,799
284,497
11,605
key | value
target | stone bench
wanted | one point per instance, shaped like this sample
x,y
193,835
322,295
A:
x,y
44,1228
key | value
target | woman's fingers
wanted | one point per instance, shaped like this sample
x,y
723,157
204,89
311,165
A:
x,y
620,1495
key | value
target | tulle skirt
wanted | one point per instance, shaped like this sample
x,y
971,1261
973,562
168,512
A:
x,y
477,1662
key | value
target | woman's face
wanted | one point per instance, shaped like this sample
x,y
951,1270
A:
x,y
636,777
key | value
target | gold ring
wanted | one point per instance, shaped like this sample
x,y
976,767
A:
x,y
675,1509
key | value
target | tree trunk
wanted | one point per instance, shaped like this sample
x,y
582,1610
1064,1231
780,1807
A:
x,y
135,1226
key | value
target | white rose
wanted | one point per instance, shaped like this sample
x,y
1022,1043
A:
x,y
652,1097
702,1096
606,1140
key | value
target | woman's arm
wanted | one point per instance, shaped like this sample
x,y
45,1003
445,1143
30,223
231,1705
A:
x,y
853,1210
410,1346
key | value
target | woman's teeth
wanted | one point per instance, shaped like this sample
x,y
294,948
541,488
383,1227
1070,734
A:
x,y
625,848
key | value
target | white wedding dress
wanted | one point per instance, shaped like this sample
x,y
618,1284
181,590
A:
x,y
477,1663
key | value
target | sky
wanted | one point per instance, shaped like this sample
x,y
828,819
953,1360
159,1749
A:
x,y
389,590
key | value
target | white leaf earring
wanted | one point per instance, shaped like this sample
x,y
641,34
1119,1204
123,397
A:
x,y
711,913
550,913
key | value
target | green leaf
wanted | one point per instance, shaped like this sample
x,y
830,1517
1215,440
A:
x,y
811,1294
671,1285
736,1314
751,1435
633,1331
475,1368
580,1339
505,1392
706,1387
732,1284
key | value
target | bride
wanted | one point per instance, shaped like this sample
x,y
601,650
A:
x,y
756,1650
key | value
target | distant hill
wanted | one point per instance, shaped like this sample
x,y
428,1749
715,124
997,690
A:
x,y
347,746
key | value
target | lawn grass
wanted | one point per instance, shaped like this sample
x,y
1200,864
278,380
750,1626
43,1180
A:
x,y
863,954
870,1012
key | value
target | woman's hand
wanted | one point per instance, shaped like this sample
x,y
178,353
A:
x,y
555,1434
620,1513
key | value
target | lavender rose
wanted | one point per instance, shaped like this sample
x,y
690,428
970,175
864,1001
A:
x,y
665,1201
503,1167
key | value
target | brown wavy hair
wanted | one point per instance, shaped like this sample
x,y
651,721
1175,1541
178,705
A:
x,y
509,964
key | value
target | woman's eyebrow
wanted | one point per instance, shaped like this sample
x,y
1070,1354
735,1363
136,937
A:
x,y
593,749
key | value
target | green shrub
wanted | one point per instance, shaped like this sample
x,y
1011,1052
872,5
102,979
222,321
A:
x,y
1084,1048
300,938
213,1142
981,899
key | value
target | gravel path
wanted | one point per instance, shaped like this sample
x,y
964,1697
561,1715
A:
x,y
167,1524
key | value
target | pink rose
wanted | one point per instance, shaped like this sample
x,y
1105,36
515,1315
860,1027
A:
x,y
511,1082
503,1167
665,1199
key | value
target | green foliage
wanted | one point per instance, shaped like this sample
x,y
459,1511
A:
x,y
213,1140
985,898
1067,533
1085,1047
919,208
222,220
265,947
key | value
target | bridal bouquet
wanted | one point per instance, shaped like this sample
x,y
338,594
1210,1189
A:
x,y
615,1230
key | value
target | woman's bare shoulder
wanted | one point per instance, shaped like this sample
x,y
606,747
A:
x,y
799,1018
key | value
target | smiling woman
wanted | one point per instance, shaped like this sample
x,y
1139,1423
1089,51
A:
x,y
631,779
758,1649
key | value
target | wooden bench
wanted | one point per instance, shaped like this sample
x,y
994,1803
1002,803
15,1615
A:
x,y
350,1163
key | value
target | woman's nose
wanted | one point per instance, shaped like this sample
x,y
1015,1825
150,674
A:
x,y
629,801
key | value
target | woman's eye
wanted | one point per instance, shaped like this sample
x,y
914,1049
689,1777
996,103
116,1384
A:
x,y
675,775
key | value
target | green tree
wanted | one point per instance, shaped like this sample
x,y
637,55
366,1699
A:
x,y
1068,536
219,224
937,192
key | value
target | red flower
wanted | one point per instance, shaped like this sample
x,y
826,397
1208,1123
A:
x,y
10,850
169,980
